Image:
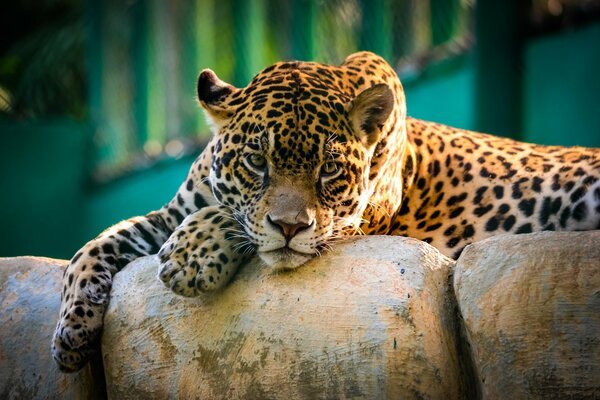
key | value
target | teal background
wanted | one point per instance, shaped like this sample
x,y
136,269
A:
x,y
549,93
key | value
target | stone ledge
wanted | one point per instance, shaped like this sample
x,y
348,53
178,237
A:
x,y
29,306
341,326
531,306
372,319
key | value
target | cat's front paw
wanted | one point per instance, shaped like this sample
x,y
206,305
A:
x,y
77,331
203,253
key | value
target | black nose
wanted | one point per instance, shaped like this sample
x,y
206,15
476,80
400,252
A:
x,y
288,230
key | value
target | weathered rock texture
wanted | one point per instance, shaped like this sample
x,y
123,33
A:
x,y
29,305
373,319
376,318
531,305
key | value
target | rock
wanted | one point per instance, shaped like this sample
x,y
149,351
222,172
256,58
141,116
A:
x,y
372,319
375,318
531,306
29,306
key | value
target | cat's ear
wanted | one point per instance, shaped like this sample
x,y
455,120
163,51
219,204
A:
x,y
214,96
369,111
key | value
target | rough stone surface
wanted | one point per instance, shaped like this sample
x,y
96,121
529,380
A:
x,y
372,319
376,318
531,305
29,305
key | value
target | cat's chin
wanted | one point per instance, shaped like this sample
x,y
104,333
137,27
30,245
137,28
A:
x,y
284,258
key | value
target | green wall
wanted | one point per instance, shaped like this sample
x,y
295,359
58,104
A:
x,y
561,88
48,205
444,94
133,195
42,187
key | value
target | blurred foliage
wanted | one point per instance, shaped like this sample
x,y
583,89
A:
x,y
42,69
129,67
47,45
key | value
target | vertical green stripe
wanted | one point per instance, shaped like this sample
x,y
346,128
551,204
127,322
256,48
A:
x,y
421,26
94,45
157,129
498,66
303,29
403,35
444,20
376,32
205,39
140,68
249,24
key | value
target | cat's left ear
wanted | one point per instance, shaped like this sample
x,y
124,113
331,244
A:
x,y
369,111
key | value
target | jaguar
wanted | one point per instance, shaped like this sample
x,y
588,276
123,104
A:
x,y
308,154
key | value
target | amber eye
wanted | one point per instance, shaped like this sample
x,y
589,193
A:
x,y
256,161
330,169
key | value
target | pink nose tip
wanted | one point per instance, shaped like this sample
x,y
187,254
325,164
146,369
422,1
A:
x,y
288,230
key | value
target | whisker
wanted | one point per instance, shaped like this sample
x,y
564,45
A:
x,y
379,207
230,218
236,230
245,248
239,236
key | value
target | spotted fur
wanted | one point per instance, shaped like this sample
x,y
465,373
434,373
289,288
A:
x,y
307,154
